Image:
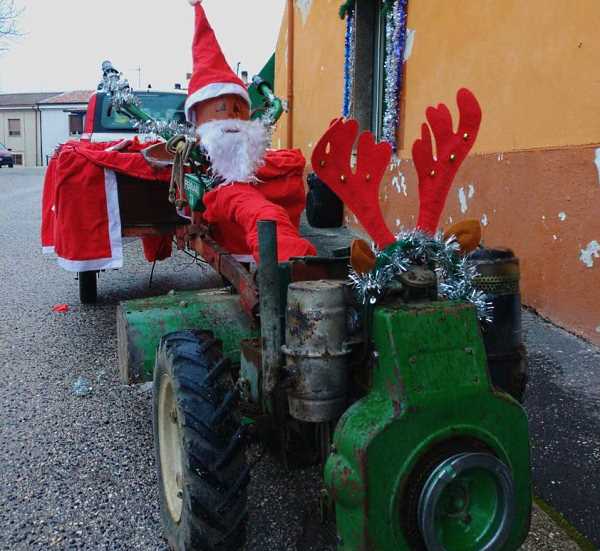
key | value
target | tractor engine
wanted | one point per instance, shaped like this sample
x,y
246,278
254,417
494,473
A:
x,y
426,454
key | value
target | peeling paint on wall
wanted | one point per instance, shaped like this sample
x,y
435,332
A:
x,y
395,163
589,253
597,161
484,220
500,157
464,197
598,329
562,216
304,6
410,42
399,183
398,222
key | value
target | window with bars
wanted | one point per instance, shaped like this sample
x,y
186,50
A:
x,y
14,127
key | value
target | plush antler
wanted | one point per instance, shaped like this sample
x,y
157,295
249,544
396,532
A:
x,y
437,173
358,190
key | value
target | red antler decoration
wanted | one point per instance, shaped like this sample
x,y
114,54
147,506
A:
x,y
358,190
436,174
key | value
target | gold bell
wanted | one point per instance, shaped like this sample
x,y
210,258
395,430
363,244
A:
x,y
432,173
466,136
368,177
342,178
322,163
452,157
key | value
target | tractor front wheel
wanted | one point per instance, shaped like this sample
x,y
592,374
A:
x,y
199,446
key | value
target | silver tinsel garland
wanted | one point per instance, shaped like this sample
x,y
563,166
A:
x,y
349,63
454,271
395,33
164,130
117,87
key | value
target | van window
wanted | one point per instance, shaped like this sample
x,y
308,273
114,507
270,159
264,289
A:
x,y
160,106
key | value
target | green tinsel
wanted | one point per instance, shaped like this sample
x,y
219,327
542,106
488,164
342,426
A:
x,y
348,7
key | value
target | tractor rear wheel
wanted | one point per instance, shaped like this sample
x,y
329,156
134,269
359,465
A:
x,y
199,446
88,287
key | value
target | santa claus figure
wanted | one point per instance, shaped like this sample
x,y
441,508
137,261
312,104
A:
x,y
253,183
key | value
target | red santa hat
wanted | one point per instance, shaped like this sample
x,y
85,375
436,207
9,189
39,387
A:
x,y
212,76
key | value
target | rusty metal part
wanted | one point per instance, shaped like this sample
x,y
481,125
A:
x,y
418,284
250,370
225,264
498,271
498,276
310,268
316,351
270,305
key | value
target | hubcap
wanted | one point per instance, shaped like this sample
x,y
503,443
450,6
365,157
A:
x,y
170,448
467,504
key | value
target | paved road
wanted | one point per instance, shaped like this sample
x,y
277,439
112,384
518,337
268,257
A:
x,y
563,403
78,472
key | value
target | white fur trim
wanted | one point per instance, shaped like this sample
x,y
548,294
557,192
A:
x,y
194,2
211,91
48,250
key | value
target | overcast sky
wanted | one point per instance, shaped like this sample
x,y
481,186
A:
x,y
66,41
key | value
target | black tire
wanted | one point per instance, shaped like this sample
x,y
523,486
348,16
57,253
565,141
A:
x,y
212,483
88,287
10,166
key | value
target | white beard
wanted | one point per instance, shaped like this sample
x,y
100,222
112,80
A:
x,y
235,148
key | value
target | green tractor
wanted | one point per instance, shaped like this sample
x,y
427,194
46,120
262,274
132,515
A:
x,y
393,395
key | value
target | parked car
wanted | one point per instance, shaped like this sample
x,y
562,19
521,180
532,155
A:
x,y
6,157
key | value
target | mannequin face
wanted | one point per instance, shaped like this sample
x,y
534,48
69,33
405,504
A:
x,y
227,107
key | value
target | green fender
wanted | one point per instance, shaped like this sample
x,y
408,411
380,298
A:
x,y
141,323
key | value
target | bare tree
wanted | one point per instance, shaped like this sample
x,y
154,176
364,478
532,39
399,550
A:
x,y
9,15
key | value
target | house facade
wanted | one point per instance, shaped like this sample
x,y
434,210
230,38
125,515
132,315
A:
x,y
20,126
533,177
62,118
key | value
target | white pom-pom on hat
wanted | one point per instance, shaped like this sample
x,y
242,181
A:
x,y
194,2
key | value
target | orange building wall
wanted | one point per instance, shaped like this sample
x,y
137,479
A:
x,y
533,178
